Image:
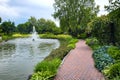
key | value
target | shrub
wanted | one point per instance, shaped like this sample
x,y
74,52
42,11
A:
x,y
46,75
62,36
71,44
46,70
48,65
113,71
82,36
92,42
102,59
100,29
114,52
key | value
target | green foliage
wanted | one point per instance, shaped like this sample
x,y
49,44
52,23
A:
x,y
8,27
46,75
100,29
46,70
113,5
115,19
93,43
24,28
17,35
72,42
102,59
42,26
82,36
7,37
113,71
48,65
0,19
74,14
61,36
60,52
114,52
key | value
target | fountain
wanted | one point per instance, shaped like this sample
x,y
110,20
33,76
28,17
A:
x,y
34,35
26,52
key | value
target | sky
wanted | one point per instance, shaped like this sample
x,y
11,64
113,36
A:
x,y
19,11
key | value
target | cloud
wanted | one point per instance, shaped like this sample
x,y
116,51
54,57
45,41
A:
x,y
102,3
6,10
19,11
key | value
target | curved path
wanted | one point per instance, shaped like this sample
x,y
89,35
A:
x,y
79,65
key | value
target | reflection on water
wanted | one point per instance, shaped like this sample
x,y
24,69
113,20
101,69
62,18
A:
x,y
6,50
19,56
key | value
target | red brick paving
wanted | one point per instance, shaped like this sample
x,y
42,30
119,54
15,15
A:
x,y
79,65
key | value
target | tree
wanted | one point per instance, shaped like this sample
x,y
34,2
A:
x,y
74,14
0,26
25,28
8,27
32,21
0,19
113,5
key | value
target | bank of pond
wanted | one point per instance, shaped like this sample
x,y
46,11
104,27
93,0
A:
x,y
46,63
106,57
47,69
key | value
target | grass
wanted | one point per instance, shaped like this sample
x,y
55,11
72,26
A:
x,y
52,36
17,35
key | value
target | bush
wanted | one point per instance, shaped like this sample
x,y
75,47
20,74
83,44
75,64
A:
x,y
114,52
46,70
113,71
115,18
99,28
62,36
46,75
72,42
48,66
82,36
92,42
102,59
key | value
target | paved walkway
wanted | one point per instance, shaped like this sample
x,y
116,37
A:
x,y
79,65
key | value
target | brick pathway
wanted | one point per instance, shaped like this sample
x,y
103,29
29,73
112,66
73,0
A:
x,y
79,65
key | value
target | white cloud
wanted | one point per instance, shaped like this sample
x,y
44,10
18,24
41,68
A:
x,y
17,10
44,3
7,11
102,3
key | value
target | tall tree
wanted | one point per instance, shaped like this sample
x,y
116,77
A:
x,y
74,14
113,5
32,21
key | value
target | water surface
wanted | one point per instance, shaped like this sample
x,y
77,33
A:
x,y
19,56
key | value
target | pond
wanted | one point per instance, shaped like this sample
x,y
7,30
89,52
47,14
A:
x,y
19,56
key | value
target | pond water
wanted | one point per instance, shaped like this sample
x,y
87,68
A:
x,y
19,56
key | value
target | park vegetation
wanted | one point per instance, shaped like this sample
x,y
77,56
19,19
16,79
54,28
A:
x,y
78,18
105,41
47,69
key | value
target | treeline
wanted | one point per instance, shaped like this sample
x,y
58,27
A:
x,y
42,26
